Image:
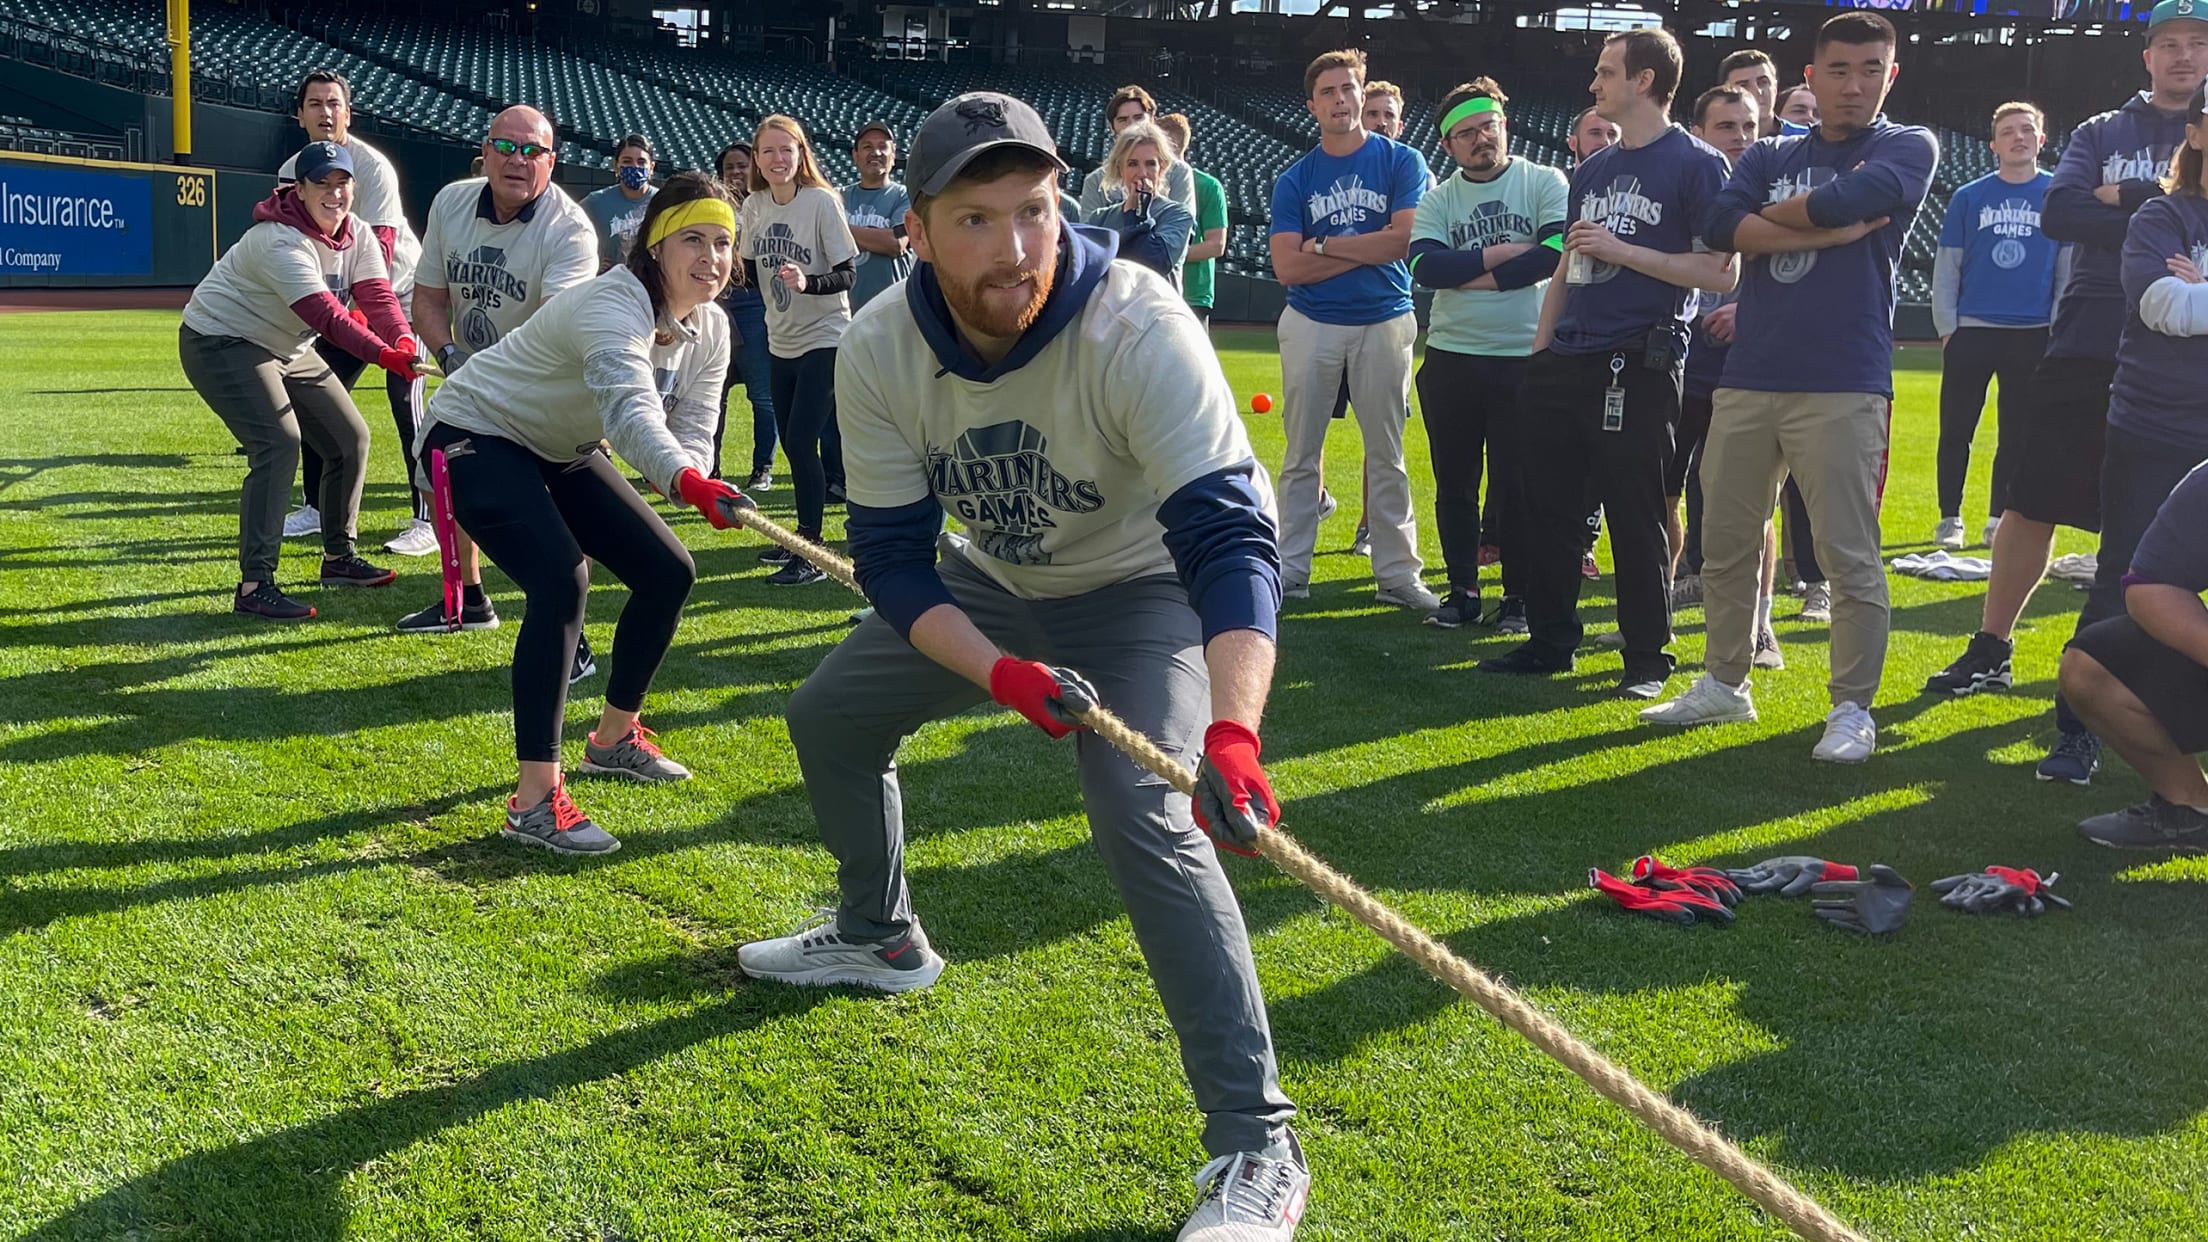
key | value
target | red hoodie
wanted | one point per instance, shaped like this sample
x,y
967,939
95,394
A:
x,y
322,312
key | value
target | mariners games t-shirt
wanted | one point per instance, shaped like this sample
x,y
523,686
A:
x,y
2006,262
591,366
1464,214
1197,284
616,217
2161,387
1056,469
1654,196
1325,195
875,209
249,291
497,274
809,231
375,201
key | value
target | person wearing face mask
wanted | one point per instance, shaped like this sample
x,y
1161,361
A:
x,y
749,364
247,346
1154,229
634,358
618,209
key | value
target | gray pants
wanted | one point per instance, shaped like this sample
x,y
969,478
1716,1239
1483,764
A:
x,y
270,406
1376,357
1140,645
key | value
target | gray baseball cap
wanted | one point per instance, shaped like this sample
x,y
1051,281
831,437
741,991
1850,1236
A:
x,y
964,127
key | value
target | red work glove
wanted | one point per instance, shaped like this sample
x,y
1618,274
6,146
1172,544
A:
x,y
1046,696
1233,798
399,358
1683,906
1650,871
716,500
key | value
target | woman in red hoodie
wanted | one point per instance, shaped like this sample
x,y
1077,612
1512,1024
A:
x,y
247,344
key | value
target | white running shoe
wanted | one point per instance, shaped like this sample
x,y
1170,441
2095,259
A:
x,y
1850,736
418,539
1248,1198
1707,701
1412,595
1949,534
1327,504
816,954
304,520
1985,538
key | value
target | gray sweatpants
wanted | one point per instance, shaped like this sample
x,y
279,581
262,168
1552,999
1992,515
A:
x,y
1376,357
1140,645
270,406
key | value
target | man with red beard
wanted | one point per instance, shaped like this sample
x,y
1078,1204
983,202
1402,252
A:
x,y
1070,412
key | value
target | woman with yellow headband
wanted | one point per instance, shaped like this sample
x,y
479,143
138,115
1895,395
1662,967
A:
x,y
635,358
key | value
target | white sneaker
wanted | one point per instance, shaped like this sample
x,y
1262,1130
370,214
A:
x,y
1949,534
1327,504
1248,1198
1707,701
816,954
1413,595
304,520
1849,737
1985,539
418,539
1295,590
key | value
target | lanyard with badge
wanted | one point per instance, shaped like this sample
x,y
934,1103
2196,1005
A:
x,y
1613,397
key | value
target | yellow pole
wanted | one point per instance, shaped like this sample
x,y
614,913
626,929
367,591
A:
x,y
180,77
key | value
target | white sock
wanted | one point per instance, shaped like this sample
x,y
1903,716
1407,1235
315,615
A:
x,y
1763,613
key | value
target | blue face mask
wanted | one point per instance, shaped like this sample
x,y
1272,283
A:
x,y
636,177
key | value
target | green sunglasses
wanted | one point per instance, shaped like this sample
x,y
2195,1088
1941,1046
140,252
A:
x,y
526,150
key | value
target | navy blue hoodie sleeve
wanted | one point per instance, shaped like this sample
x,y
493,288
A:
x,y
1436,266
2072,213
1227,550
1892,181
893,555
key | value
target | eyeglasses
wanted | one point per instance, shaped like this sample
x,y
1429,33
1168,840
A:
x,y
526,150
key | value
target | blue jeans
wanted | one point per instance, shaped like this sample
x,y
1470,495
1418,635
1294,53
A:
x,y
748,364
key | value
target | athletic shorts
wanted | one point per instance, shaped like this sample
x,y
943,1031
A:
x,y
2167,681
2058,464
1694,427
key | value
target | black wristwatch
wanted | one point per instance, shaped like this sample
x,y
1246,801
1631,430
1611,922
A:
x,y
445,355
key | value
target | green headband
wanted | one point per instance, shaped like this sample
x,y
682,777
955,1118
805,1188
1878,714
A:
x,y
1470,107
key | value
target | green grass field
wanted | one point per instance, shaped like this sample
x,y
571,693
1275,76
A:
x,y
267,972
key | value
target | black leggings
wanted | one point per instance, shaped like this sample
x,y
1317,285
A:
x,y
537,520
804,406
403,415
1972,359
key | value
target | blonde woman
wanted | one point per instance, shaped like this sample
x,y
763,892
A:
x,y
1154,227
798,252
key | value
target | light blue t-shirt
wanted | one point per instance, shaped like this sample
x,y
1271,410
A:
x,y
616,217
1325,195
876,209
2007,276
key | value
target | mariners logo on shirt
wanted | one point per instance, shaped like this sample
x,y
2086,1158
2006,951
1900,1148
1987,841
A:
x,y
2013,220
1792,266
868,218
663,378
1492,223
1623,209
480,280
2144,164
1346,202
998,480
770,250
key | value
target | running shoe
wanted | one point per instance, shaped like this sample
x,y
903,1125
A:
x,y
418,539
1850,736
1525,661
1361,543
1490,555
1412,595
1985,537
775,554
1984,665
351,571
1707,701
302,521
2156,824
817,954
1817,603
1327,505
1510,615
761,480
2075,758
1612,639
432,620
1686,591
1587,567
1249,1197
585,663
269,602
557,825
1949,534
1462,608
796,572
634,757
1767,653
1643,684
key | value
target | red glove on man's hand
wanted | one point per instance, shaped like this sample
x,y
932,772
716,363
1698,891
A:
x,y
399,358
711,497
1233,798
1041,693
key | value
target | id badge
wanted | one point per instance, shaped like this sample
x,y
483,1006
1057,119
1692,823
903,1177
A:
x,y
1613,397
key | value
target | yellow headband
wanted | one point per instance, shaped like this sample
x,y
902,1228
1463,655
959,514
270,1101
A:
x,y
696,211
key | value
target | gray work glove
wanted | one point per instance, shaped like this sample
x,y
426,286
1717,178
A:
x,y
2000,890
1789,875
1873,906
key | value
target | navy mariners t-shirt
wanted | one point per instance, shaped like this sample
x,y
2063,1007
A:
x,y
1654,196
1823,320
2161,387
1325,195
2008,261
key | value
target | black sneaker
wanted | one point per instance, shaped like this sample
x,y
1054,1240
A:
x,y
1984,665
1645,684
761,480
2074,759
835,493
775,554
2156,824
584,664
1524,659
797,572
1510,616
351,571
431,620
268,600
1462,608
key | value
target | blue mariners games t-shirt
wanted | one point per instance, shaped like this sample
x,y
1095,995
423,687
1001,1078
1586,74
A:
x,y
1325,195
2008,262
1655,196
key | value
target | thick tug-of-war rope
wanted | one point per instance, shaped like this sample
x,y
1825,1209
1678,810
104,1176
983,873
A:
x,y
1673,1124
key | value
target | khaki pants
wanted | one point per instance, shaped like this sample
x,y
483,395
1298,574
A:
x,y
1377,358
1835,445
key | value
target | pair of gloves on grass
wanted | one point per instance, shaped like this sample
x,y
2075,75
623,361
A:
x,y
1872,900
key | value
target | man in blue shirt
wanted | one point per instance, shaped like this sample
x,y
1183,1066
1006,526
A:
x,y
1600,400
1342,220
2112,165
1819,220
875,206
1993,293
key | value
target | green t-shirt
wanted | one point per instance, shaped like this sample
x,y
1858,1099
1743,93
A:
x,y
1211,213
1462,214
